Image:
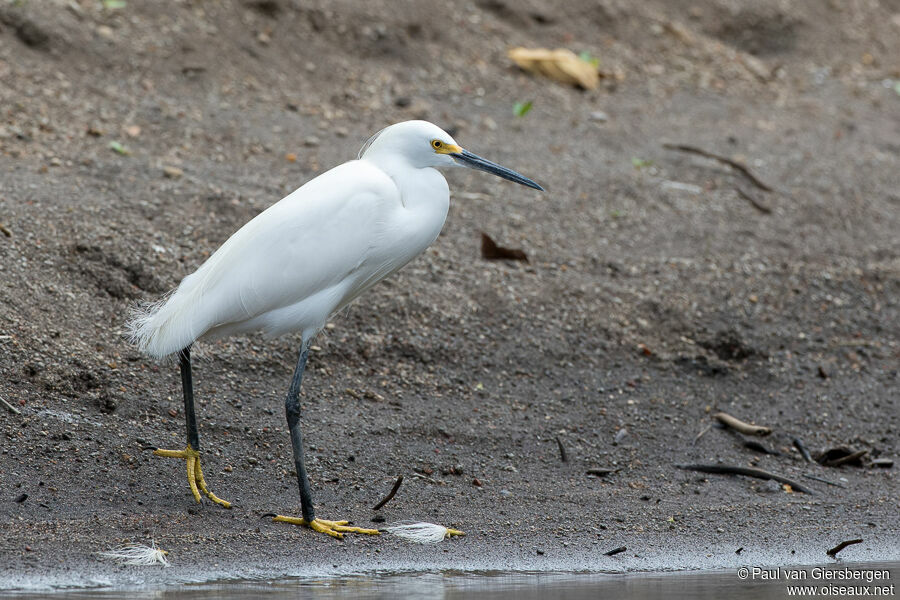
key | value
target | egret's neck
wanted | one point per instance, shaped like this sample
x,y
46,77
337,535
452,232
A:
x,y
421,189
426,199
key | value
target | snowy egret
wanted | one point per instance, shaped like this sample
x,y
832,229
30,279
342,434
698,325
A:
x,y
303,259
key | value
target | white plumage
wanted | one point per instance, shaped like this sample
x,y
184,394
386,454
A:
x,y
308,255
313,252
301,260
421,533
138,554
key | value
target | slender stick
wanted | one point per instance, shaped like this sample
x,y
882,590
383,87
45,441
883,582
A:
x,y
841,546
738,425
747,472
615,551
758,447
599,472
823,480
756,203
722,159
798,444
390,494
562,450
701,434
846,459
11,408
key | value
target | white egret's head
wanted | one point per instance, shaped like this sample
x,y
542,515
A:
x,y
423,144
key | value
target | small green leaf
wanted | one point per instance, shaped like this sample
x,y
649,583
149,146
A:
x,y
117,147
520,109
616,213
588,58
897,87
114,4
640,163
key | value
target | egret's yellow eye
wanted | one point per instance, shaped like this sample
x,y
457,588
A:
x,y
444,147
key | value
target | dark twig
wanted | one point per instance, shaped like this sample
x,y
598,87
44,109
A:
x,y
491,251
823,480
749,198
599,472
722,159
562,450
846,459
738,425
798,444
758,447
615,551
841,546
390,494
747,472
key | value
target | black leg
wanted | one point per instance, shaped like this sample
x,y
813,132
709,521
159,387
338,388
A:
x,y
292,410
191,453
187,387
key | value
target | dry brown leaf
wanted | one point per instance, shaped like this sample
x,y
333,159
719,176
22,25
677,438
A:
x,y
561,65
491,251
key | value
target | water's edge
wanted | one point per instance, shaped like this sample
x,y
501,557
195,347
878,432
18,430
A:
x,y
517,585
101,576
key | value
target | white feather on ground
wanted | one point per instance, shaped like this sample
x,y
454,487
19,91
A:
x,y
419,533
137,554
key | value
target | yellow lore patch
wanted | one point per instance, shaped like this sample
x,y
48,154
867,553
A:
x,y
445,148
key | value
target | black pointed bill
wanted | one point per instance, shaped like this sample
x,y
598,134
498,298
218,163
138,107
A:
x,y
473,161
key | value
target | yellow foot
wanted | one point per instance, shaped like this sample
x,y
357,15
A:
x,y
194,473
333,528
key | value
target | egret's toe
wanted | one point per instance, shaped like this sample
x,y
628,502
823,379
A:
x,y
335,529
194,473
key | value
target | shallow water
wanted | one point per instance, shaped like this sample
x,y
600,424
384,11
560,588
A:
x,y
733,584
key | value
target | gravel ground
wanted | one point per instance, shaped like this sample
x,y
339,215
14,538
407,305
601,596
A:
x,y
661,287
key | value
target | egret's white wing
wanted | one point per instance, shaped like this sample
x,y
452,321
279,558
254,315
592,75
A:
x,y
325,234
